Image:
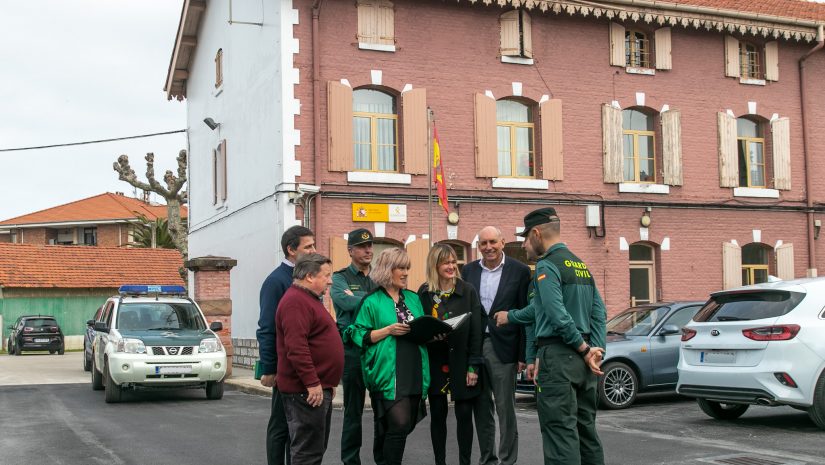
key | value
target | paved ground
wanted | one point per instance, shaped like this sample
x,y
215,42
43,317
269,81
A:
x,y
71,424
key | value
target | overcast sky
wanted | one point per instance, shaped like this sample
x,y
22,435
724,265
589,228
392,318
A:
x,y
78,70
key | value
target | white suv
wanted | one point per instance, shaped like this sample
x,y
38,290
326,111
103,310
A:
x,y
760,344
156,337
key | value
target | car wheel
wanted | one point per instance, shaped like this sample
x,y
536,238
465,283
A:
x,y
87,362
51,352
214,390
61,350
97,378
722,411
113,391
18,350
817,410
10,348
618,386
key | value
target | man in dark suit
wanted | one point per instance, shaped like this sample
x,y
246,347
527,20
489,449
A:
x,y
502,285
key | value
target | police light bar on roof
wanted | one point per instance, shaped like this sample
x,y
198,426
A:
x,y
142,289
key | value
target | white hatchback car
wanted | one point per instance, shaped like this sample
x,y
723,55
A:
x,y
760,344
151,337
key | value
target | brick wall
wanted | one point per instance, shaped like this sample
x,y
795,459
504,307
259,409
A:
x,y
109,235
451,50
246,352
33,236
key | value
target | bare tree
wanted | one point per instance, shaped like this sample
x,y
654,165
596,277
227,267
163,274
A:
x,y
172,193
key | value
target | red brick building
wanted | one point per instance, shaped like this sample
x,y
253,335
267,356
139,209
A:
x,y
105,220
679,142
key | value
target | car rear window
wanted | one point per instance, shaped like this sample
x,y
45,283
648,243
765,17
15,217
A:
x,y
744,306
40,322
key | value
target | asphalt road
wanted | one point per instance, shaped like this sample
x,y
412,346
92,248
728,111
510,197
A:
x,y
71,424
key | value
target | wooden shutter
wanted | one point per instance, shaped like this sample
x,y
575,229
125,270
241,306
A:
x,y
526,34
612,146
672,147
772,61
486,140
339,121
214,177
222,166
728,154
731,56
417,250
552,159
510,40
367,21
617,52
662,44
385,26
415,130
731,265
781,141
784,262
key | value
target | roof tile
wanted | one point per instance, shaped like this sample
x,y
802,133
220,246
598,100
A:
x,y
103,207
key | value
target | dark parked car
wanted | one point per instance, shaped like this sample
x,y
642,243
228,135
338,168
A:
x,y
35,332
89,339
642,352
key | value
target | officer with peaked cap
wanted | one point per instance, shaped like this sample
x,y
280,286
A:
x,y
568,317
349,286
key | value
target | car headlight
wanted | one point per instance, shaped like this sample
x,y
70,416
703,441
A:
x,y
131,346
210,345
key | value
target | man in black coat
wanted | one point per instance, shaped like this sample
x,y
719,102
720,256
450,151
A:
x,y
502,285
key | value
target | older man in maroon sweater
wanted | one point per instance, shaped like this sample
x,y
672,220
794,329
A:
x,y
310,359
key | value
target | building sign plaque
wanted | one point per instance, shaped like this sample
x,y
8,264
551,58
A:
x,y
379,212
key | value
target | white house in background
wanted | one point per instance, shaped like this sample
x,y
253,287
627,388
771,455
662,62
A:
x,y
240,125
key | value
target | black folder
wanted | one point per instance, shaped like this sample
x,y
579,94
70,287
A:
x,y
424,328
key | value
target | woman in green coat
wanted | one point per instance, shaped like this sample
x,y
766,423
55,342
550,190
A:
x,y
396,370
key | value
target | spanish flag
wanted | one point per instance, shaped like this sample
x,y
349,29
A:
x,y
438,174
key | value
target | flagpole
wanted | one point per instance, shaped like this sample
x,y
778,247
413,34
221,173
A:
x,y
430,123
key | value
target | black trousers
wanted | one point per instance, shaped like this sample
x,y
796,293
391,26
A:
x,y
393,427
308,427
354,391
439,406
277,433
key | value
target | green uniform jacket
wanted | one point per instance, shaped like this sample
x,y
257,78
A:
x,y
378,361
565,303
349,278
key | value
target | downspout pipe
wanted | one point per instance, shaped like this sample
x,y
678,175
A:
x,y
316,116
809,200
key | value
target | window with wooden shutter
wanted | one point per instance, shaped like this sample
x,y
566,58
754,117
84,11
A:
x,y
772,61
732,57
784,262
552,159
617,45
515,139
637,49
750,145
781,141
339,126
728,165
510,34
662,45
638,147
750,61
485,137
672,147
755,264
416,131
385,27
526,34
612,143
374,130
731,265
376,22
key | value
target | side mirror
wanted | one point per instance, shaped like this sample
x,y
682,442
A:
x,y
101,326
216,326
11,327
670,329
90,322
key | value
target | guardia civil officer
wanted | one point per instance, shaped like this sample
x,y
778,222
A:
x,y
569,322
349,286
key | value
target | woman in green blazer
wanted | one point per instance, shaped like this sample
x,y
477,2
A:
x,y
396,370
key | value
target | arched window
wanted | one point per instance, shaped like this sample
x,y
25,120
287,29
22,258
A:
x,y
755,264
374,130
639,146
749,61
514,126
751,144
637,49
642,274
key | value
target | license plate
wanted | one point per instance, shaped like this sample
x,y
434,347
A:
x,y
173,369
41,340
717,356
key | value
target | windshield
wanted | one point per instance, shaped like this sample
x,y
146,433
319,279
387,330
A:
x,y
744,306
159,316
636,322
40,322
